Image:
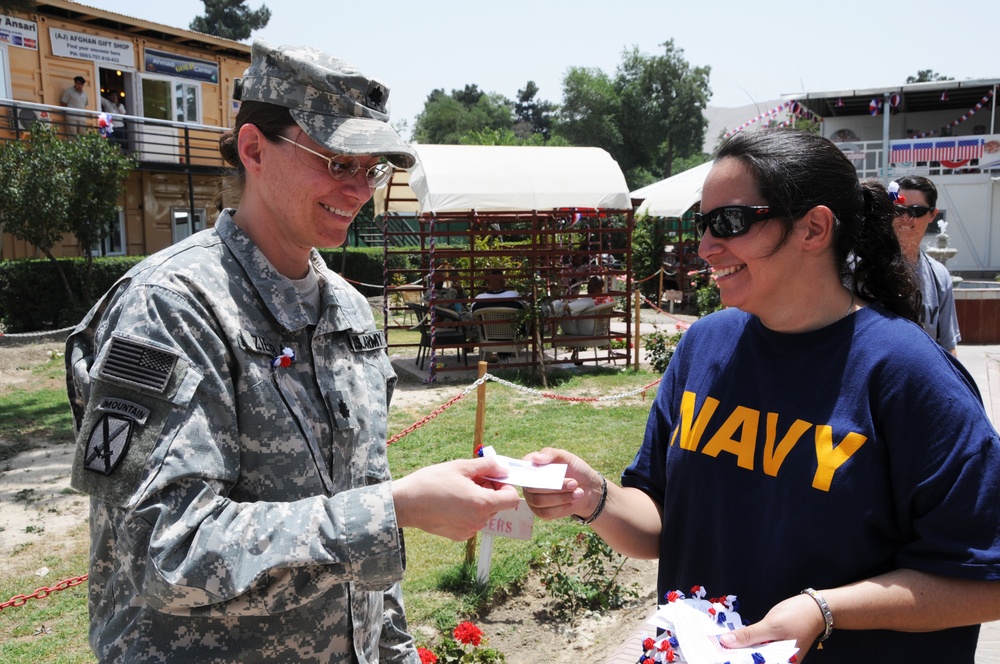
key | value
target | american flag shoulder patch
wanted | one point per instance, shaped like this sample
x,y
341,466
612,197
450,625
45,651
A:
x,y
135,363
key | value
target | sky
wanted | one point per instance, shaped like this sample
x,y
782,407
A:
x,y
757,52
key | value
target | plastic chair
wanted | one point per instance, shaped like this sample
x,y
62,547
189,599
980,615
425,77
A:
x,y
500,330
445,336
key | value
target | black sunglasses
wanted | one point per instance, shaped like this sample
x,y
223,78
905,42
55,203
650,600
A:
x,y
915,211
731,220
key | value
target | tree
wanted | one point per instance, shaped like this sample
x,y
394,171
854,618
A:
x,y
100,169
647,117
447,118
926,76
7,6
533,117
230,19
52,187
590,110
662,109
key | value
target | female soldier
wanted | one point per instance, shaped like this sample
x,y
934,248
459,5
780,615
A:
x,y
230,396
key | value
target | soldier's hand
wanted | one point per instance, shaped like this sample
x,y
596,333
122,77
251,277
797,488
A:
x,y
453,499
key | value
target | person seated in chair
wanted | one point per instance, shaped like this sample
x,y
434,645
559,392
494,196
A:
x,y
581,306
497,294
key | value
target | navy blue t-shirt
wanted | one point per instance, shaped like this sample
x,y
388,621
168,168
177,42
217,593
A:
x,y
786,461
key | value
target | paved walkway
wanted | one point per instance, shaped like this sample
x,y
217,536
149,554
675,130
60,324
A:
x,y
983,362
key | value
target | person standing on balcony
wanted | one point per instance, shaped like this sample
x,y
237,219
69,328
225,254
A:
x,y
810,449
75,97
916,208
230,397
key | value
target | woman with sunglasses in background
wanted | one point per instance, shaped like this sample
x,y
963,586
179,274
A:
x,y
810,449
231,396
916,208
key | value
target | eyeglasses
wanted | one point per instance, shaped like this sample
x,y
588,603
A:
x,y
731,220
915,211
344,166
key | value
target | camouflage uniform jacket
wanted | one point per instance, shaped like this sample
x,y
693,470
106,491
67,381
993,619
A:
x,y
240,511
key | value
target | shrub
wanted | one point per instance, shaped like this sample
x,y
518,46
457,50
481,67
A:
x,y
660,348
584,579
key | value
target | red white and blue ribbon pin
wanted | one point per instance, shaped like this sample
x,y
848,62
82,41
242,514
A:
x,y
285,359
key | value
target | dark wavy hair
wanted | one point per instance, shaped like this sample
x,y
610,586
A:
x,y
795,171
269,118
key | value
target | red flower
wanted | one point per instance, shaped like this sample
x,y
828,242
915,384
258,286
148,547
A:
x,y
673,596
467,633
426,656
648,660
648,643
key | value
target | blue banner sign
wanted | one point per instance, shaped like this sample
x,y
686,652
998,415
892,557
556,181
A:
x,y
171,64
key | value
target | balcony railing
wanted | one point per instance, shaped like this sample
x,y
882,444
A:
x,y
157,144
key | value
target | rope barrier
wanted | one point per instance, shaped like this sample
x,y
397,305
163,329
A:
x,y
681,324
520,388
43,592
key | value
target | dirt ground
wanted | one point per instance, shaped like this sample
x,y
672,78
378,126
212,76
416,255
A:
x,y
37,505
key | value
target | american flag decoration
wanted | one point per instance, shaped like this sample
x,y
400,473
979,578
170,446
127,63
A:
x,y
968,114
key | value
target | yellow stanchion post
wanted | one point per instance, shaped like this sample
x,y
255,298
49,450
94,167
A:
x,y
477,440
637,336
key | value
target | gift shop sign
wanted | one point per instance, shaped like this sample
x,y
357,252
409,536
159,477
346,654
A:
x,y
18,32
82,46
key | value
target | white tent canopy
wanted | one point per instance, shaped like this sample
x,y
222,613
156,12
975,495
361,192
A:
x,y
451,178
675,195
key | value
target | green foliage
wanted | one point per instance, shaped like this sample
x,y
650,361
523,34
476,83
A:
x,y
37,188
707,296
447,118
648,238
8,6
230,19
584,579
466,644
46,307
662,103
534,117
926,76
53,187
649,115
590,110
660,348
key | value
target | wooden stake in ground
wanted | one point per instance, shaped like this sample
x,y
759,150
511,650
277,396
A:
x,y
477,440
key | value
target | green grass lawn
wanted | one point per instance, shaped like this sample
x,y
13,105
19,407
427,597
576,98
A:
x,y
437,586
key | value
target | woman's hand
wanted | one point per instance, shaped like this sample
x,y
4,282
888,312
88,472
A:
x,y
796,618
580,492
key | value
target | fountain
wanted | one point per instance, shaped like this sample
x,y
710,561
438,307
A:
x,y
940,251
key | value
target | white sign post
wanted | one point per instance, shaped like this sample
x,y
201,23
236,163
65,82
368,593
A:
x,y
516,523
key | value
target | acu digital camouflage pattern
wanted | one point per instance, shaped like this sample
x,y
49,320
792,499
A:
x,y
251,517
334,103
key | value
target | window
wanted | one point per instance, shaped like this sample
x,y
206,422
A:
x,y
170,99
182,225
4,75
114,243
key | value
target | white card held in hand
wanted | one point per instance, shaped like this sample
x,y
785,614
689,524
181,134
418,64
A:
x,y
525,473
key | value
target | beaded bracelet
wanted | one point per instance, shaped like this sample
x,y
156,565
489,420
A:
x,y
600,505
825,609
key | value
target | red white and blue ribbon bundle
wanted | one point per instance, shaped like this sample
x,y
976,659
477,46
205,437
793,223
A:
x,y
285,359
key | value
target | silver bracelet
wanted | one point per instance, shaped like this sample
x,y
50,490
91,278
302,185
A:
x,y
825,609
600,505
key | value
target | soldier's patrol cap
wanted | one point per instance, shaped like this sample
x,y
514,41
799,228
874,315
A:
x,y
335,104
